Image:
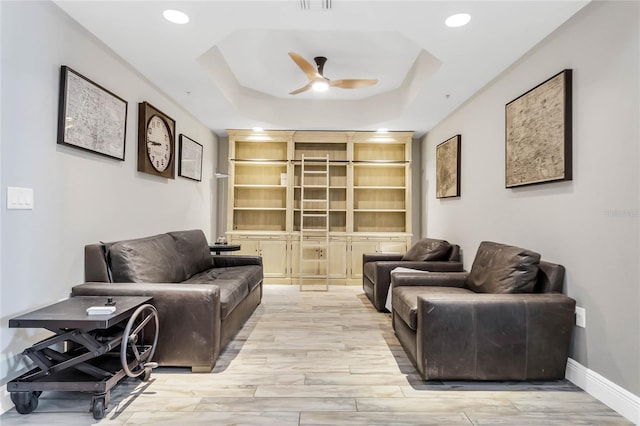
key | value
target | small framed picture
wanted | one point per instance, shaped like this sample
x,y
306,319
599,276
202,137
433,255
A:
x,y
90,117
448,168
190,164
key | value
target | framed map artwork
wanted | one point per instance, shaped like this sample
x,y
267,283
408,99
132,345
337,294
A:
x,y
190,165
90,117
538,134
448,168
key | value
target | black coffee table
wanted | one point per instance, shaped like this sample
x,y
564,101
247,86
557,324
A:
x,y
99,350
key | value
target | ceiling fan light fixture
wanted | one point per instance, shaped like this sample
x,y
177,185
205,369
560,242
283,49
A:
x,y
457,20
320,86
175,16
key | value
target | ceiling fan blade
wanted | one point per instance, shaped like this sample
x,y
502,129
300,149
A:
x,y
309,70
352,84
302,89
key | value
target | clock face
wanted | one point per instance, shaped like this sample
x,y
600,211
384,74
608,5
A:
x,y
158,143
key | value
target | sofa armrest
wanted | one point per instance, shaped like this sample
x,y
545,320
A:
x,y
189,316
231,260
426,278
427,265
494,336
377,257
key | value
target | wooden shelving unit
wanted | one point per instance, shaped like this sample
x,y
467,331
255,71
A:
x,y
369,197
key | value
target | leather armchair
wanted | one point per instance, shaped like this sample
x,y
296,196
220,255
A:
x,y
506,319
377,267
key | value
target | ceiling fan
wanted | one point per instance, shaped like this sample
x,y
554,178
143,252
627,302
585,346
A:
x,y
317,80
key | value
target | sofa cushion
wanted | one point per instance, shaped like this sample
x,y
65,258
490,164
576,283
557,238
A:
x,y
251,275
405,300
499,268
145,260
232,292
428,249
233,286
194,251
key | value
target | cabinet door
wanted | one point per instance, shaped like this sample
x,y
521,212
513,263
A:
x,y
337,259
358,248
274,259
248,247
399,247
313,258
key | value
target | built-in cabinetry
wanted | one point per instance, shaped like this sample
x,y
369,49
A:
x,y
369,196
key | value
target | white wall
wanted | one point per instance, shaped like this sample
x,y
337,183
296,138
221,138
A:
x,y
591,224
80,197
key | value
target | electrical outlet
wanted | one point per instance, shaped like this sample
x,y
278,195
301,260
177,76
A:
x,y
581,317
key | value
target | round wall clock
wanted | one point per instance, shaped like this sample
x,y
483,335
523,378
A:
x,y
156,141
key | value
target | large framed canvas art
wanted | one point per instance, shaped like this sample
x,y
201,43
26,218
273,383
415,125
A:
x,y
538,134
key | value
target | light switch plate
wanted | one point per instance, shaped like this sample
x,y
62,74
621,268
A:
x,y
19,198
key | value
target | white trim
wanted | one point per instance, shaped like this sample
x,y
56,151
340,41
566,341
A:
x,y
601,388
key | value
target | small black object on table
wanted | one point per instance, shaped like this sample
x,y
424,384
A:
x,y
217,248
91,360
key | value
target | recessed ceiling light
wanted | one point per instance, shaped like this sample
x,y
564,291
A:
x,y
258,129
382,130
320,86
457,20
175,16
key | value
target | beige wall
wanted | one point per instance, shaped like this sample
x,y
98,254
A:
x,y
591,224
80,197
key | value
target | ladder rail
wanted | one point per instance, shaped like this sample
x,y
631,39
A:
x,y
319,210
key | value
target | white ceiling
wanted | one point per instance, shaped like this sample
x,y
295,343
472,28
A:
x,y
229,66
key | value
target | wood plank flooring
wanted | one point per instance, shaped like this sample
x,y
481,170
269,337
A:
x,y
320,358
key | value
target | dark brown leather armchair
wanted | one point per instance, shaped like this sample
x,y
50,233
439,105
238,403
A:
x,y
427,254
506,319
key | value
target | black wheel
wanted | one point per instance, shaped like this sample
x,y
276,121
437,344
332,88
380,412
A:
x,y
98,408
25,402
134,352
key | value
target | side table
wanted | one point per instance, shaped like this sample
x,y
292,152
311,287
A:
x,y
91,360
217,248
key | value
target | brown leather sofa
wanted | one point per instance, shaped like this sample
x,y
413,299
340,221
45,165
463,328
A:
x,y
202,300
506,319
428,254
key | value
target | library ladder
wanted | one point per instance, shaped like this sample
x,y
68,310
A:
x,y
314,223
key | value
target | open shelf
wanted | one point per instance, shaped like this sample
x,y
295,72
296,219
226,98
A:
x,y
336,151
260,150
259,174
379,221
379,198
259,220
372,176
379,151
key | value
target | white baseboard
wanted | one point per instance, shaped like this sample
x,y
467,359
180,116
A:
x,y
617,398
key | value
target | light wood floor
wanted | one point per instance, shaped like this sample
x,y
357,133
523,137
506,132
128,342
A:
x,y
317,358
